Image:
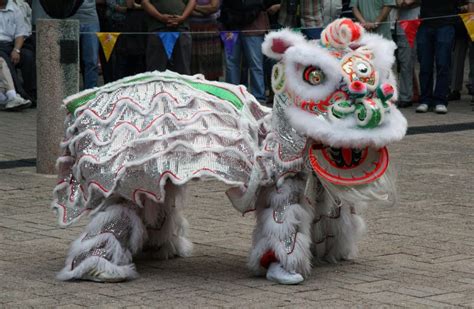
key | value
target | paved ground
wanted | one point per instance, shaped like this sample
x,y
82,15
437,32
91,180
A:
x,y
418,254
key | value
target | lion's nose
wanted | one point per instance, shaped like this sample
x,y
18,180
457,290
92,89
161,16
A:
x,y
357,89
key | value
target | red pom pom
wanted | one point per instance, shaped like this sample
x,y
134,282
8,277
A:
x,y
279,46
268,258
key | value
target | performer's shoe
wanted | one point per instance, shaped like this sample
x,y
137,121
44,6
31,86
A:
x,y
277,273
103,277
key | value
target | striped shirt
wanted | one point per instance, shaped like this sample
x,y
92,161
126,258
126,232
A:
x,y
308,15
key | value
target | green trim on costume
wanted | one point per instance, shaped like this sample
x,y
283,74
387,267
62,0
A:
x,y
76,103
219,92
216,91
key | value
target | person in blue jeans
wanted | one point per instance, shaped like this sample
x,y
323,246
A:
x,y
247,48
89,44
435,40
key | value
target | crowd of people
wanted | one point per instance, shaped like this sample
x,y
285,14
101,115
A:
x,y
442,42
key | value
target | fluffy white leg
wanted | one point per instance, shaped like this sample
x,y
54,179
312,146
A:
x,y
336,230
166,226
282,233
104,251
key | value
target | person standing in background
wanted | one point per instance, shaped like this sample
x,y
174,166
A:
x,y
461,47
331,10
89,43
89,26
116,14
169,16
435,40
373,15
207,46
252,22
302,13
132,47
407,10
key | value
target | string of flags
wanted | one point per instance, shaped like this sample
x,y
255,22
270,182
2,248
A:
x,y
229,38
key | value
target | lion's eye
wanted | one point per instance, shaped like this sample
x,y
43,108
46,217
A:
x,y
363,69
313,75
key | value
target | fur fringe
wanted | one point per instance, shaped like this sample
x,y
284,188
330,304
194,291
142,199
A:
x,y
120,254
102,265
345,133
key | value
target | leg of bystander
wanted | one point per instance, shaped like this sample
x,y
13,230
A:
x,y
90,54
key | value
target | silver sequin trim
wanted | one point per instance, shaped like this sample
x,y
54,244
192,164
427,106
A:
x,y
289,243
279,213
97,251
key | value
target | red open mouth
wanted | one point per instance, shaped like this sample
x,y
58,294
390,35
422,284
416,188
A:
x,y
348,166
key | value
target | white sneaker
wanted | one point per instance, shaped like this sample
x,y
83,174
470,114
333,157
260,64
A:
x,y
277,273
97,276
441,109
422,108
16,103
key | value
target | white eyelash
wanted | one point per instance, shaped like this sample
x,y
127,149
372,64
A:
x,y
297,58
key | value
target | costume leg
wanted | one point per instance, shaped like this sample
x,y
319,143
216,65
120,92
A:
x,y
104,251
166,226
336,230
281,239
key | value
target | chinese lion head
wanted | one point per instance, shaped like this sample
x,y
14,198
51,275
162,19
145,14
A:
x,y
339,92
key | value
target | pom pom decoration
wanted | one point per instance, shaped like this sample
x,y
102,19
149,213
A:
x,y
357,89
342,108
385,92
369,113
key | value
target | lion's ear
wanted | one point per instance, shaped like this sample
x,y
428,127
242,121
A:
x,y
276,43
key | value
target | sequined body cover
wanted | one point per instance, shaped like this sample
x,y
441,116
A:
x,y
128,138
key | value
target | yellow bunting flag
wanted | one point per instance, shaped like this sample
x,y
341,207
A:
x,y
108,40
468,20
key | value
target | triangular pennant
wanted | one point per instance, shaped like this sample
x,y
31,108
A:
x,y
107,41
468,20
411,28
229,38
169,41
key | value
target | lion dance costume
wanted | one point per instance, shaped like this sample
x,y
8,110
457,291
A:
x,y
306,168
